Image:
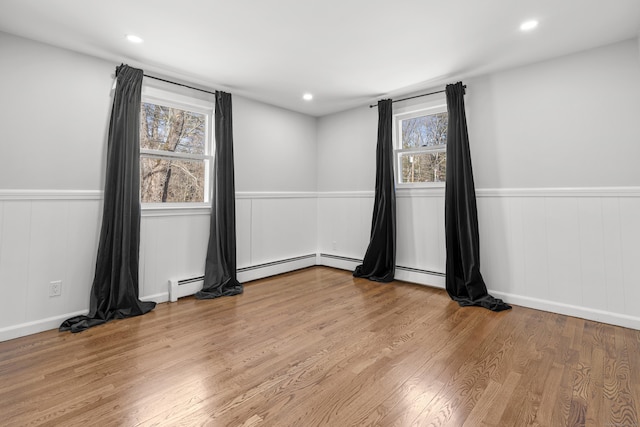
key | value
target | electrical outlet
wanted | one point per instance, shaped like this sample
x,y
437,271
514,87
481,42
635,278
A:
x,y
55,288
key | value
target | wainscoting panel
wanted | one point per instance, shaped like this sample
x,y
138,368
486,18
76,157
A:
x,y
171,247
282,227
83,232
569,252
14,261
243,232
612,235
45,237
630,223
420,233
590,254
344,223
48,259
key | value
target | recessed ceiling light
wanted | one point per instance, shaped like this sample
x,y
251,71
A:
x,y
134,39
528,25
307,97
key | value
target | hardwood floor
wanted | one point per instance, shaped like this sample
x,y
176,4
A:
x,y
319,347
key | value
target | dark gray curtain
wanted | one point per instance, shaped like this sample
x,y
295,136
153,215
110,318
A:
x,y
464,282
379,263
220,265
114,293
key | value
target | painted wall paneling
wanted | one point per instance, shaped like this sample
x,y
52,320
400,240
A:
x,y
53,235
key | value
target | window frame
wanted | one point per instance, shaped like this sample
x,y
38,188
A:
x,y
174,99
434,106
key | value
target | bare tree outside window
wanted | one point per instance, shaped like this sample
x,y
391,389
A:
x,y
423,152
172,143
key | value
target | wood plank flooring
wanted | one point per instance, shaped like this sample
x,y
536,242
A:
x,y
318,347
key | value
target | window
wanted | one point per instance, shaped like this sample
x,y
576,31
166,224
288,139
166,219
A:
x,y
175,148
421,145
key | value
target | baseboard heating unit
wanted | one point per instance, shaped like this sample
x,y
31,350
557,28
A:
x,y
179,288
184,287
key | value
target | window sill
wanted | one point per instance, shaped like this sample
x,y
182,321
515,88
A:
x,y
175,209
424,190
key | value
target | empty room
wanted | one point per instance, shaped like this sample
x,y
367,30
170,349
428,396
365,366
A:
x,y
305,213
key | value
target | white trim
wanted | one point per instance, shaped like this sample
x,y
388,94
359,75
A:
x,y
276,195
420,278
176,97
345,194
402,274
156,209
439,191
172,155
345,263
342,263
247,274
36,326
560,192
432,191
400,192
51,195
157,298
570,310
434,104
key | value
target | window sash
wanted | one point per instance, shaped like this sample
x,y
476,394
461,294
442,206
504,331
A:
x,y
435,106
155,93
421,150
160,154
400,154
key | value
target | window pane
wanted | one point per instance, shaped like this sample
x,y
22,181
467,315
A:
x,y
425,131
424,167
171,181
171,129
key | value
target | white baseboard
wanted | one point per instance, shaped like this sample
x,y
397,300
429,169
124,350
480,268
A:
x,y
437,280
405,274
157,298
41,325
343,263
570,310
421,277
261,271
36,326
427,278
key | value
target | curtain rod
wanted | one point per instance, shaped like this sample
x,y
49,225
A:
x,y
179,84
417,96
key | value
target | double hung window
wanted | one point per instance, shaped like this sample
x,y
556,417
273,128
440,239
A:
x,y
420,139
175,148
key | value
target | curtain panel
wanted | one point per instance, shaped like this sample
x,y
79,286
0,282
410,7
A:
x,y
114,292
464,283
379,263
220,277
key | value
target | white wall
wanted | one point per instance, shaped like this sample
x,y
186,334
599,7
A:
x,y
51,180
53,125
558,232
274,149
569,122
346,160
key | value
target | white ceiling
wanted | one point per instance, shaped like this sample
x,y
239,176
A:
x,y
346,52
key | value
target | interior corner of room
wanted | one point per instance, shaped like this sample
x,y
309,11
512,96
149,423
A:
x,y
558,232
